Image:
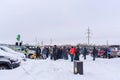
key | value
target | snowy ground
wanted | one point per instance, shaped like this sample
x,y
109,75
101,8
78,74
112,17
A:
x,y
101,69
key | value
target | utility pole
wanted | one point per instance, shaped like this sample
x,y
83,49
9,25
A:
x,y
88,35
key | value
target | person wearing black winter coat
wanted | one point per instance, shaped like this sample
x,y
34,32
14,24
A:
x,y
77,53
85,53
55,51
65,53
105,53
95,51
38,51
59,53
47,52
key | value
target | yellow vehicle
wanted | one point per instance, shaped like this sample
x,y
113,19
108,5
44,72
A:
x,y
31,54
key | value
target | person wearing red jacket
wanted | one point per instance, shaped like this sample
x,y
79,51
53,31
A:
x,y
72,53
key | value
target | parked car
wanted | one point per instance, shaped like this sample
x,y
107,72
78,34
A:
x,y
8,61
8,50
31,54
101,51
115,52
118,53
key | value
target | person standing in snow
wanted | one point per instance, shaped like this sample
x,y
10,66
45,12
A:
x,y
55,51
47,52
38,51
51,52
95,51
105,53
77,53
59,53
72,53
26,52
44,53
64,53
85,53
108,52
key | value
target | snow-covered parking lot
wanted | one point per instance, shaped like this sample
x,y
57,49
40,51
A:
x,y
101,69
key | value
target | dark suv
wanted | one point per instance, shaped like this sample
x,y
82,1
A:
x,y
8,63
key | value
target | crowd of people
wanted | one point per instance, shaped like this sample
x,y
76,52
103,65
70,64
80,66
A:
x,y
56,52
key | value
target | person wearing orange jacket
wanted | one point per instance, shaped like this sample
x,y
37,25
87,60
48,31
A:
x,y
72,53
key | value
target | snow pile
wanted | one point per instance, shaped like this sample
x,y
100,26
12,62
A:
x,y
101,69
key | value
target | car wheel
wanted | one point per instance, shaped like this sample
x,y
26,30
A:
x,y
29,55
3,67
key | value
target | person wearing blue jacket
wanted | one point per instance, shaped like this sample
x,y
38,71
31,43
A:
x,y
108,53
44,52
85,53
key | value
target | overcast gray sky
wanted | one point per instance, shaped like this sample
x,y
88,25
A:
x,y
63,21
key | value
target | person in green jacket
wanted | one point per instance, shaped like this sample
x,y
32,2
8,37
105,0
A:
x,y
26,51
